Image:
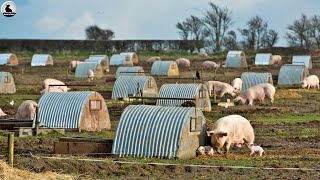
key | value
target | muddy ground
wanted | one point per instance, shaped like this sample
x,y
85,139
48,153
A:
x,y
288,130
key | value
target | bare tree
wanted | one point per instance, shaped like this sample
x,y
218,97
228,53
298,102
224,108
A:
x,y
217,21
230,41
315,30
196,28
96,33
184,30
257,35
299,33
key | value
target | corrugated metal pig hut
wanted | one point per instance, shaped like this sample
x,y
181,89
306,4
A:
x,y
82,70
125,86
250,79
302,60
262,59
41,60
197,91
156,131
290,75
8,59
7,85
132,55
103,60
165,68
121,59
130,71
82,111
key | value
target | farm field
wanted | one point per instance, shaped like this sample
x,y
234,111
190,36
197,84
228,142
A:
x,y
288,130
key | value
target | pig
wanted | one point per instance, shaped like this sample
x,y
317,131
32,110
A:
x,y
220,88
73,65
237,85
205,150
256,149
90,75
27,110
47,82
183,62
153,59
257,92
50,90
275,59
203,54
210,65
230,130
310,81
2,113
238,144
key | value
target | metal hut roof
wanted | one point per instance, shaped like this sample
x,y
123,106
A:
x,y
62,109
262,59
302,60
235,53
133,56
235,62
7,84
82,69
96,58
125,85
4,58
292,74
176,91
120,59
161,68
129,71
151,131
40,59
250,79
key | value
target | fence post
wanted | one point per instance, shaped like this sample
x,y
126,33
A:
x,y
10,148
37,120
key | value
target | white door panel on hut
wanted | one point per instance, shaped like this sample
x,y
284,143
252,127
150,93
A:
x,y
41,60
130,85
121,59
7,85
263,59
130,71
165,68
8,59
302,60
250,79
292,75
82,70
103,60
198,91
155,131
82,111
133,56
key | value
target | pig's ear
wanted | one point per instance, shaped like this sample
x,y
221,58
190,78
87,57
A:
x,y
209,133
221,134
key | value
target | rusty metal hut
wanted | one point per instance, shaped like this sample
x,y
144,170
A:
x,y
7,85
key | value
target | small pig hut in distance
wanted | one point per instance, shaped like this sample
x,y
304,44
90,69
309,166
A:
x,y
302,60
165,68
236,62
82,70
7,85
132,55
236,53
82,111
8,59
197,91
121,59
292,75
156,131
103,60
262,59
130,71
250,79
41,60
125,86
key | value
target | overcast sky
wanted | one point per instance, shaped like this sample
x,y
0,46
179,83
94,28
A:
x,y
139,19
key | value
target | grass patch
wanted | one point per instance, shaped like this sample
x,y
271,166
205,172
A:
x,y
287,119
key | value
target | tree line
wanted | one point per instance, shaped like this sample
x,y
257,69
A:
x,y
214,28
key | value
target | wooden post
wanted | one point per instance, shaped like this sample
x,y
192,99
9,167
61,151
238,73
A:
x,y
10,148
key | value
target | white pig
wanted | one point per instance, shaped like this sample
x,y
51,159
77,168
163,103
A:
x,y
256,149
183,62
73,65
210,65
90,75
237,85
153,59
310,81
275,59
229,130
257,92
220,88
27,110
47,82
2,113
